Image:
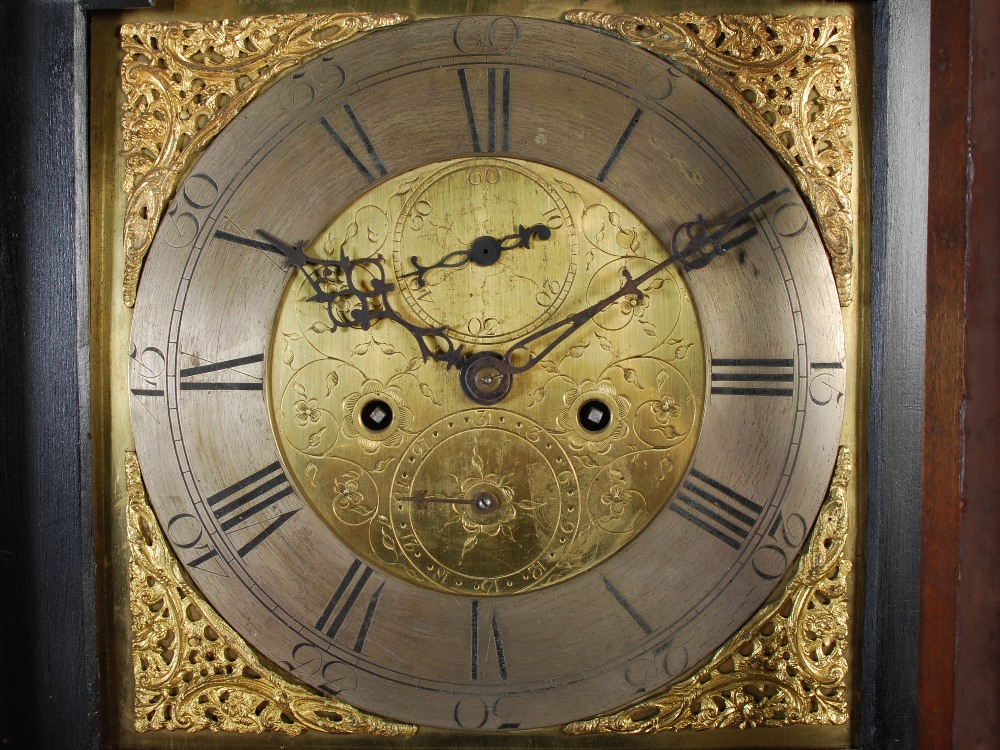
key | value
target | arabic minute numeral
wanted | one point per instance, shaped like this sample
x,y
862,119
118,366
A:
x,y
770,560
185,213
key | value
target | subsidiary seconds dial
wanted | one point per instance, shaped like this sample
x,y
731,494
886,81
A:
x,y
463,201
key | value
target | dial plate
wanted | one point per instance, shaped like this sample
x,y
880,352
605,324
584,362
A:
x,y
488,501
592,107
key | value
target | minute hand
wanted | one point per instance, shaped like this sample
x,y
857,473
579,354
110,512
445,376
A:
x,y
702,248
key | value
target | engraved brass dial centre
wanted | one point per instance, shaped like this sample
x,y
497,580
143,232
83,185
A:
x,y
423,474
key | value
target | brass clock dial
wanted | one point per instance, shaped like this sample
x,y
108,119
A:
x,y
566,469
486,347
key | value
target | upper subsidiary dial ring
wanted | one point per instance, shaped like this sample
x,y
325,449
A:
x,y
471,200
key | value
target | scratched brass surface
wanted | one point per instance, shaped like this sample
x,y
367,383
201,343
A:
x,y
553,518
112,431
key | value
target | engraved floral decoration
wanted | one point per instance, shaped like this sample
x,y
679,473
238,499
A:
x,y
787,665
673,412
569,426
620,502
306,411
791,80
393,435
634,305
192,671
666,409
186,80
350,504
500,521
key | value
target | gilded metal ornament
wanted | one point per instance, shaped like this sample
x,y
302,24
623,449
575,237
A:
x,y
786,666
192,671
486,501
791,80
216,377
184,81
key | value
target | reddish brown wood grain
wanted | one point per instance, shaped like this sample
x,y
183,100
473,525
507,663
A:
x,y
977,658
960,604
944,387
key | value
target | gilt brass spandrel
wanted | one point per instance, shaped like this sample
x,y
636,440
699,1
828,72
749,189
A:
x,y
576,496
787,666
184,81
791,79
192,671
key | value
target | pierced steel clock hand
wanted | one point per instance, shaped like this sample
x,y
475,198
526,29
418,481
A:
x,y
695,244
484,502
354,300
484,251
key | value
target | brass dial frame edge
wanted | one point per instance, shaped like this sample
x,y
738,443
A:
x,y
158,152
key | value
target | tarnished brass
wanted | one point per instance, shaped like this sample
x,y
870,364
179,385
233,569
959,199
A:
x,y
791,80
184,81
733,678
566,497
192,671
786,666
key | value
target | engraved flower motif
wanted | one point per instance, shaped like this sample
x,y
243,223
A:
x,y
349,502
632,304
569,424
666,409
392,436
496,523
620,508
617,499
306,411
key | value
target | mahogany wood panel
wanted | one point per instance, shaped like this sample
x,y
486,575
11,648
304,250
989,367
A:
x,y
977,661
960,606
943,384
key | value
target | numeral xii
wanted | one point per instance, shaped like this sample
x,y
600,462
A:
x,y
491,110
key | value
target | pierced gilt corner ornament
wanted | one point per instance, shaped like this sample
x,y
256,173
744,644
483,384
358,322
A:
x,y
790,79
786,666
192,671
184,81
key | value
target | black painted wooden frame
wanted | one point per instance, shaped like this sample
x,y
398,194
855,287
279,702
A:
x,y
47,574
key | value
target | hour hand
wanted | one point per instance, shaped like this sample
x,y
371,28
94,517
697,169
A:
x,y
483,251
